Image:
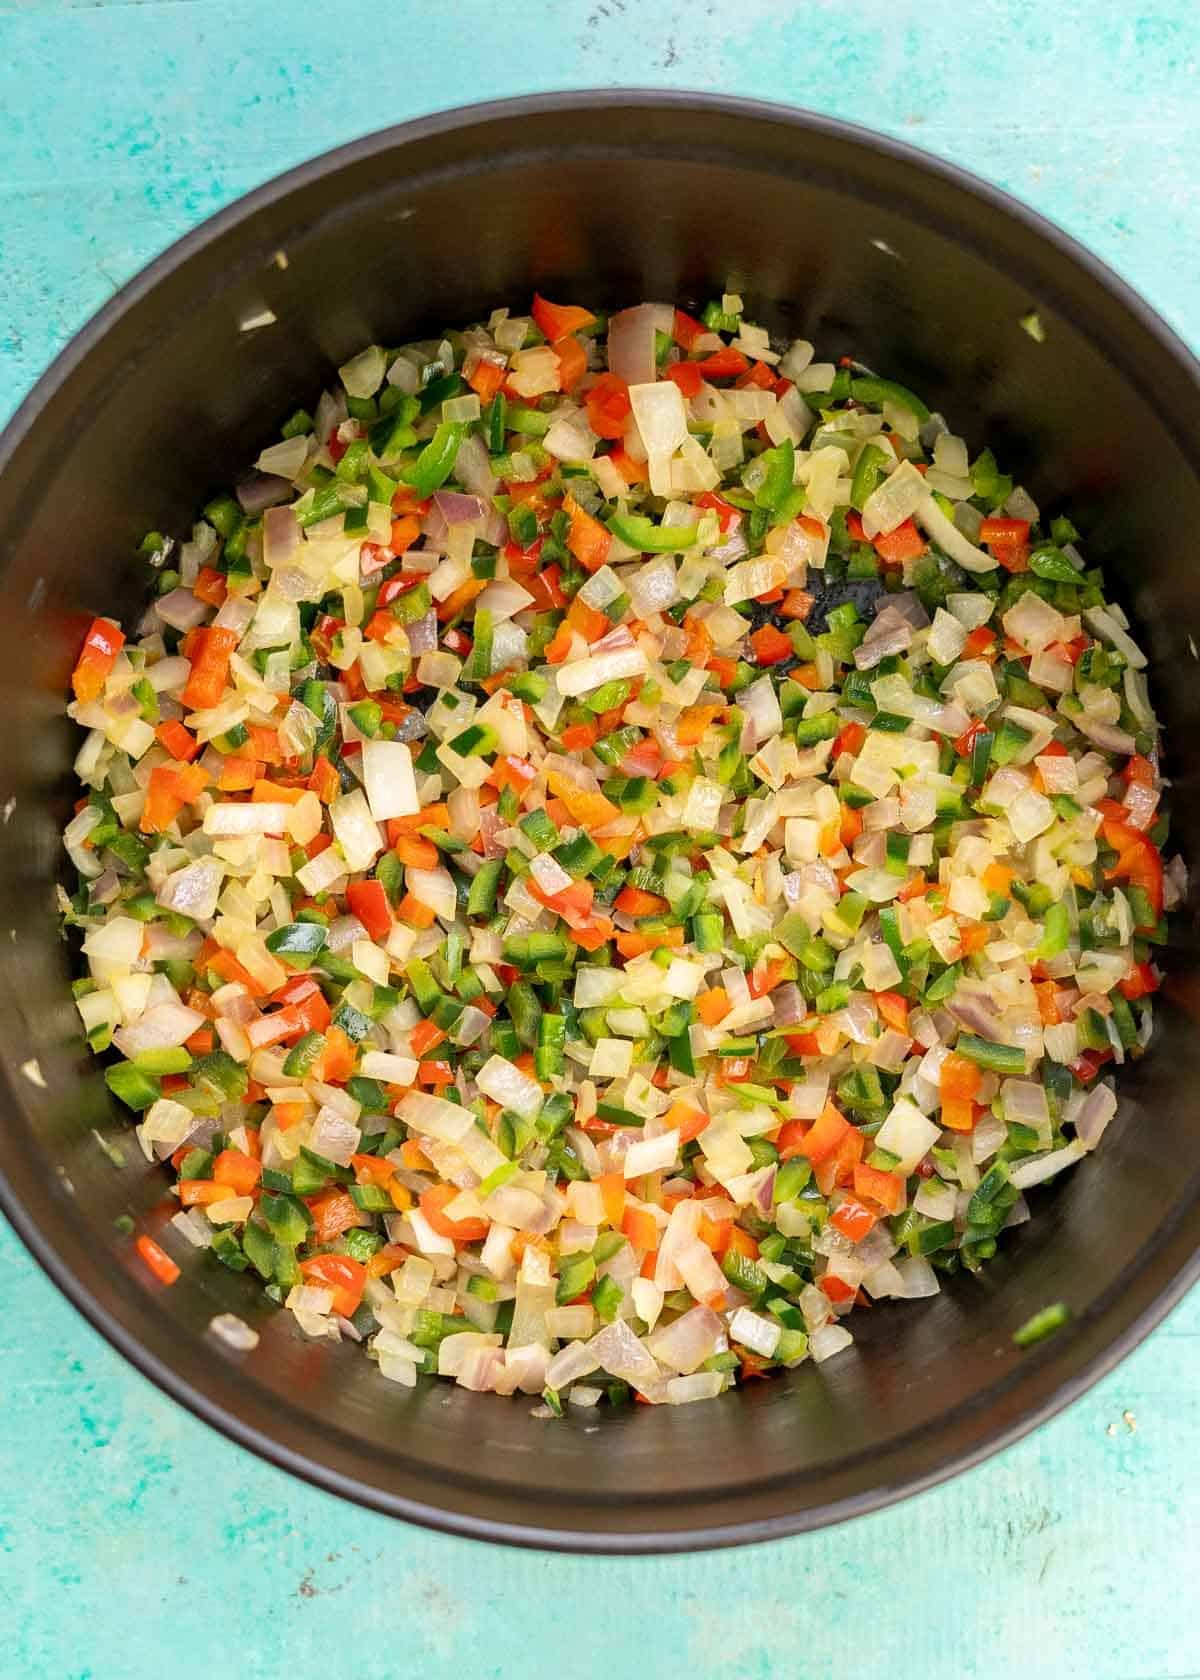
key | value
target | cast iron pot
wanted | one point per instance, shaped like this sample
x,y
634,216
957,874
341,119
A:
x,y
868,249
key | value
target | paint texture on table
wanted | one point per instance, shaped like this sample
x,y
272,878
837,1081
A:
x,y
133,1541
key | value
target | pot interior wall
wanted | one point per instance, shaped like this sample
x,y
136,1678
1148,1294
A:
x,y
829,238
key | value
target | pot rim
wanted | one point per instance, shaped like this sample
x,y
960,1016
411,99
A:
x,y
1052,1376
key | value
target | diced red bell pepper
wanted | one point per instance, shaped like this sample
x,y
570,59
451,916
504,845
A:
x,y
686,330
346,1278
904,543
607,406
726,513
334,1212
965,744
893,1010
573,903
771,646
687,376
853,1219
368,901
723,364
849,739
993,531
980,643
1142,979
1138,860
1088,1064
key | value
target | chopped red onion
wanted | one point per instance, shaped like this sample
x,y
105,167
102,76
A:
x,y
1094,1115
788,1004
978,1015
423,633
1105,735
457,509
889,634
343,932
331,413
262,490
631,344
280,535
473,469
181,610
907,603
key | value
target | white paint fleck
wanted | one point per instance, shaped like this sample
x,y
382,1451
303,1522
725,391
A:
x,y
10,805
251,323
882,245
32,1071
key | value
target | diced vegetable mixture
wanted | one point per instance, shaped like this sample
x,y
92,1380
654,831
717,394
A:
x,y
616,843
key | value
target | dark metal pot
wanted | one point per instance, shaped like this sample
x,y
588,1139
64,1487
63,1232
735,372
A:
x,y
867,248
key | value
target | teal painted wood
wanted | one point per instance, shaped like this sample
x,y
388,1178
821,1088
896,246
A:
x,y
133,1541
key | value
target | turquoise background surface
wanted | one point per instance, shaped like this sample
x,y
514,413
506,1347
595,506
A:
x,y
134,1542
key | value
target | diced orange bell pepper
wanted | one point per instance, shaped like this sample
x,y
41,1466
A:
x,y
101,645
238,775
771,646
433,1204
170,788
612,1190
555,320
904,543
210,666
741,1242
240,1172
416,913
210,586
588,621
156,1259
825,1134
572,361
634,902
338,1058
642,1229
587,539
687,1119
334,1212
874,1185
485,379
588,808
713,1005
179,742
